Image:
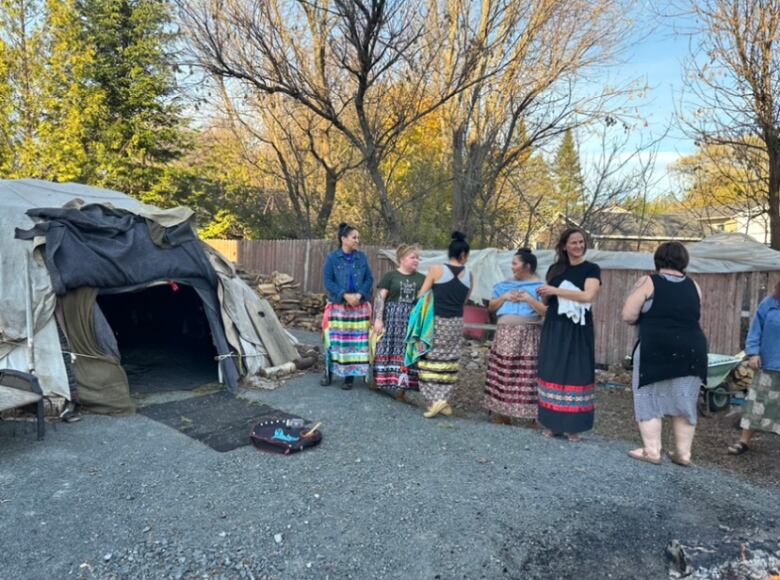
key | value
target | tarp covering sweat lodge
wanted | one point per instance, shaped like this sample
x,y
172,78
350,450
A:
x,y
65,249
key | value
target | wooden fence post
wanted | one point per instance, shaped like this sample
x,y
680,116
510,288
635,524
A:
x,y
306,261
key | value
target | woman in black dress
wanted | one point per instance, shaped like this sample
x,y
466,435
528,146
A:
x,y
567,359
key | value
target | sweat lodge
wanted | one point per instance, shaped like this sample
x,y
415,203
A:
x,y
101,294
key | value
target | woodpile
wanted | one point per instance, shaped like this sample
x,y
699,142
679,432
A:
x,y
294,307
741,378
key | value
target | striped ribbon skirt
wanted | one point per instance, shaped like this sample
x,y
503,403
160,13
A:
x,y
438,369
510,386
347,339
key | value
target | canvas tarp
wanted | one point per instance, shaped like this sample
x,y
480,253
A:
x,y
718,254
101,378
16,198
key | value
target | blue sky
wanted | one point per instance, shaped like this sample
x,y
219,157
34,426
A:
x,y
658,58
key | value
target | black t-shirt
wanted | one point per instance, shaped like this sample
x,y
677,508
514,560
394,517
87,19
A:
x,y
577,276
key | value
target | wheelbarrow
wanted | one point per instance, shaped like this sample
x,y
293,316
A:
x,y
715,394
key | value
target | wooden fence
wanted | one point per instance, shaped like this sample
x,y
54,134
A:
x,y
302,259
729,299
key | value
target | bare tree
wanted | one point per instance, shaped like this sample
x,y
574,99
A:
x,y
542,53
618,182
296,149
733,77
363,66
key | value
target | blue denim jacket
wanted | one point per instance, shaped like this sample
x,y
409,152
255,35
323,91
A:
x,y
763,338
336,276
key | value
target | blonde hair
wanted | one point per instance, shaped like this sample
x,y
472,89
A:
x,y
405,249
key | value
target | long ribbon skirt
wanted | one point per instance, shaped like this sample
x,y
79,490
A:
x,y
345,334
439,367
567,371
510,387
390,373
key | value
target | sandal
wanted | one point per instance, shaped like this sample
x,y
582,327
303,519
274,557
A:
x,y
676,459
641,455
573,438
436,408
549,434
739,448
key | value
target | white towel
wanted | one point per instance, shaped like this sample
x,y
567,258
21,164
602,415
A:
x,y
574,310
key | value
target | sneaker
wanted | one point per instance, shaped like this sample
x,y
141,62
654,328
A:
x,y
70,414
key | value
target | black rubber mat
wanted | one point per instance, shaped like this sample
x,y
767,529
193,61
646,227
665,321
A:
x,y
220,420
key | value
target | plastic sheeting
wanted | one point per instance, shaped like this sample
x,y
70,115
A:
x,y
718,254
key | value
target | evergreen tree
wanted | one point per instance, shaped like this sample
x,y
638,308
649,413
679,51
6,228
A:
x,y
568,174
142,128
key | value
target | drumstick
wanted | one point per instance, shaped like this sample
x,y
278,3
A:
x,y
312,430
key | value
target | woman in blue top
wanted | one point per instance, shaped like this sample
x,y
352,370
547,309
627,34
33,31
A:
x,y
348,280
762,412
510,388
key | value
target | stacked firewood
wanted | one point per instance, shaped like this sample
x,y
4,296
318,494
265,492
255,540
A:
x,y
293,306
741,377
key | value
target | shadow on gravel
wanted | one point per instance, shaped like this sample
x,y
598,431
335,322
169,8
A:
x,y
220,420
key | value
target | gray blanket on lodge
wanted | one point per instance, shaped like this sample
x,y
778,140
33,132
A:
x,y
103,247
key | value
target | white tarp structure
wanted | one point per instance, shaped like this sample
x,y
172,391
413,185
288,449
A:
x,y
246,333
718,254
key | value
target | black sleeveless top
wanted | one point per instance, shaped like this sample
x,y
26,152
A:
x,y
673,343
449,297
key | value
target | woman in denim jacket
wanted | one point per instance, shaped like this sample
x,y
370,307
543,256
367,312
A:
x,y
348,280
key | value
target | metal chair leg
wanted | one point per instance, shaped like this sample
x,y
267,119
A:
x,y
41,420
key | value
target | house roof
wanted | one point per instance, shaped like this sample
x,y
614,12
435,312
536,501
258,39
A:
x,y
629,226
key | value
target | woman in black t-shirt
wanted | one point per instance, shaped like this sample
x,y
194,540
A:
x,y
567,354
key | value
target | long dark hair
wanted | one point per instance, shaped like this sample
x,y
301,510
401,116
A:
x,y
561,257
344,230
458,246
528,257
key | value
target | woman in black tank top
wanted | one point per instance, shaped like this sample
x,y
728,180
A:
x,y
670,358
451,284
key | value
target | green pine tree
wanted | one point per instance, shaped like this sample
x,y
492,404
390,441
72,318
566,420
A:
x,y
568,175
142,127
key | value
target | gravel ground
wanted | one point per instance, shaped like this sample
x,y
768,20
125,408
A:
x,y
615,420
388,494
